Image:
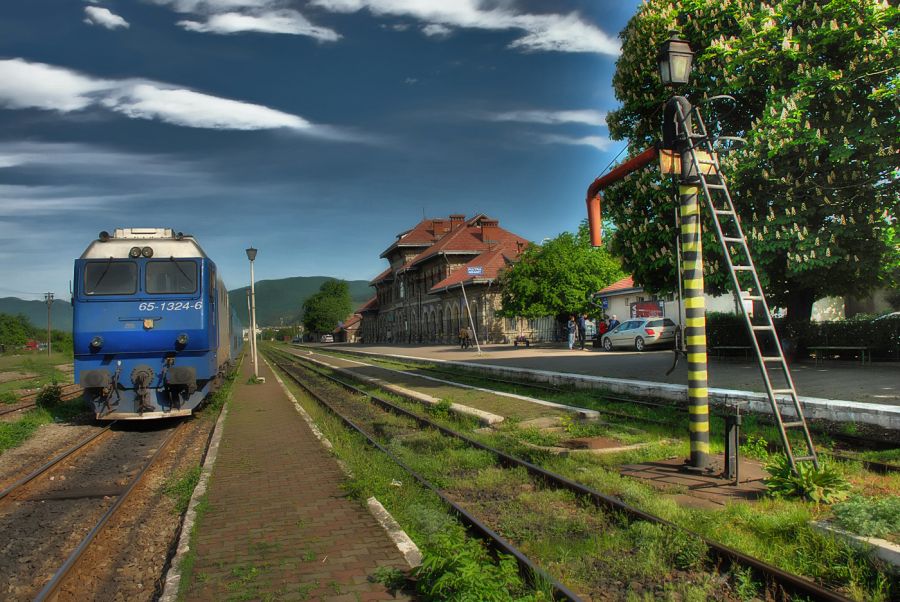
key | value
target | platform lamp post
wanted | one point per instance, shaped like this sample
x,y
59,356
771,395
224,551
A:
x,y
251,255
675,58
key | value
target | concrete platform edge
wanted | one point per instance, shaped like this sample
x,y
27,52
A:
x,y
815,407
173,575
486,418
405,545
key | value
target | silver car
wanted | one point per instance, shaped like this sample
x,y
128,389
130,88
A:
x,y
640,333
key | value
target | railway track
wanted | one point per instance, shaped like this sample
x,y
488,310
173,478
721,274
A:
x,y
852,441
27,402
778,582
57,511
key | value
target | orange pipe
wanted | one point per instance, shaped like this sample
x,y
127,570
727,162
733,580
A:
x,y
593,194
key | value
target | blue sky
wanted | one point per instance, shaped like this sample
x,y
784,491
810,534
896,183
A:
x,y
314,129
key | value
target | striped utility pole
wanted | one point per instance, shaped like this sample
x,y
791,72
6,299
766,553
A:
x,y
48,299
695,323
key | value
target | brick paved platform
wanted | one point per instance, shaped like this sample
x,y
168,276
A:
x,y
279,525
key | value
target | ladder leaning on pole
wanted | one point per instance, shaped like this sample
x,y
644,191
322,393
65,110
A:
x,y
747,286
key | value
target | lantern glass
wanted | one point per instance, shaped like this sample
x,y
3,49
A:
x,y
251,253
675,58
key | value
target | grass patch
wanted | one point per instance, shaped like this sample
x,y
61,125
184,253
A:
x,y
17,432
181,487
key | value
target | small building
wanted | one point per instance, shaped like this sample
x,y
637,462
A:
x,y
624,300
348,330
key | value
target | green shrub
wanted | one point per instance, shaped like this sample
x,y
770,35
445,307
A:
x,y
455,570
870,517
825,485
49,396
441,409
756,447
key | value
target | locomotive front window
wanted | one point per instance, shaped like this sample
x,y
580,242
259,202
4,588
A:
x,y
171,277
110,278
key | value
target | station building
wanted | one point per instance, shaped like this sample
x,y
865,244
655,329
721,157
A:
x,y
441,271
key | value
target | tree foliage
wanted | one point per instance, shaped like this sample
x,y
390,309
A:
x,y
558,277
816,184
323,310
15,330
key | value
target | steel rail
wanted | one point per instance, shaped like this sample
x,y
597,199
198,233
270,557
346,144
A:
x,y
530,570
53,462
51,588
788,581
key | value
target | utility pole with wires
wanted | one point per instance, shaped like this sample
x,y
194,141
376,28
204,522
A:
x,y
48,299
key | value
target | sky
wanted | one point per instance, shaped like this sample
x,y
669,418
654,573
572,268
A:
x,y
314,130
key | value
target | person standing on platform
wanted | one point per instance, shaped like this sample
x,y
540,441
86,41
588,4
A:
x,y
571,327
612,323
582,329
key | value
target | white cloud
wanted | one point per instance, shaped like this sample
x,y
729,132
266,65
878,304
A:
x,y
280,21
94,15
193,109
36,85
240,16
599,142
436,30
584,116
543,32
40,86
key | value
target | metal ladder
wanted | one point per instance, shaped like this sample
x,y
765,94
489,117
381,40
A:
x,y
740,266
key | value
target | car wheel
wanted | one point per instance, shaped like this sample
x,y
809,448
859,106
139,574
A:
x,y
639,343
607,344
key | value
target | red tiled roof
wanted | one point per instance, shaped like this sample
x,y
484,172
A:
x,y
492,263
622,285
352,322
470,240
382,276
370,305
422,234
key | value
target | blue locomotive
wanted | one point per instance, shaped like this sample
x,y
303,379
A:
x,y
153,329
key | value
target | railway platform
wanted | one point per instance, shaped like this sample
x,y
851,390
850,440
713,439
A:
x,y
278,525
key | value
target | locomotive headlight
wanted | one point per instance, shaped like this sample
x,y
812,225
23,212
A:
x,y
147,252
182,339
97,342
134,252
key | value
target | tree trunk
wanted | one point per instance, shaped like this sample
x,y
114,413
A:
x,y
800,304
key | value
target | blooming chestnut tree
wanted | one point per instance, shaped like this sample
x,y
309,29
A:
x,y
817,98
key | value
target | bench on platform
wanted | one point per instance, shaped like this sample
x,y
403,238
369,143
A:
x,y
821,349
521,339
718,349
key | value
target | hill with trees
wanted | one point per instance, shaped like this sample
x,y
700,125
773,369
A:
x,y
282,299
36,312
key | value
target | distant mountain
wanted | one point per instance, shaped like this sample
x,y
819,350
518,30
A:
x,y
282,299
36,312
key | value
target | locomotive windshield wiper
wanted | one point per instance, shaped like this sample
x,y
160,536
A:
x,y
103,274
183,273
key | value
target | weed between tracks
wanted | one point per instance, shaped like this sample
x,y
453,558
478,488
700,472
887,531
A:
x,y
777,531
15,433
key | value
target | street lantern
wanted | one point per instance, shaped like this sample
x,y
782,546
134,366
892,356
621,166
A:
x,y
675,58
251,255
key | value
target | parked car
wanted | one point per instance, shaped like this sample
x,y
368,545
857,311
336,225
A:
x,y
327,338
640,333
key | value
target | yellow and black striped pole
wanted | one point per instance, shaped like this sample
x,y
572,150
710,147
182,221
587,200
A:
x,y
695,323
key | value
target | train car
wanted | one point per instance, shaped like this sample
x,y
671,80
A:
x,y
152,326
